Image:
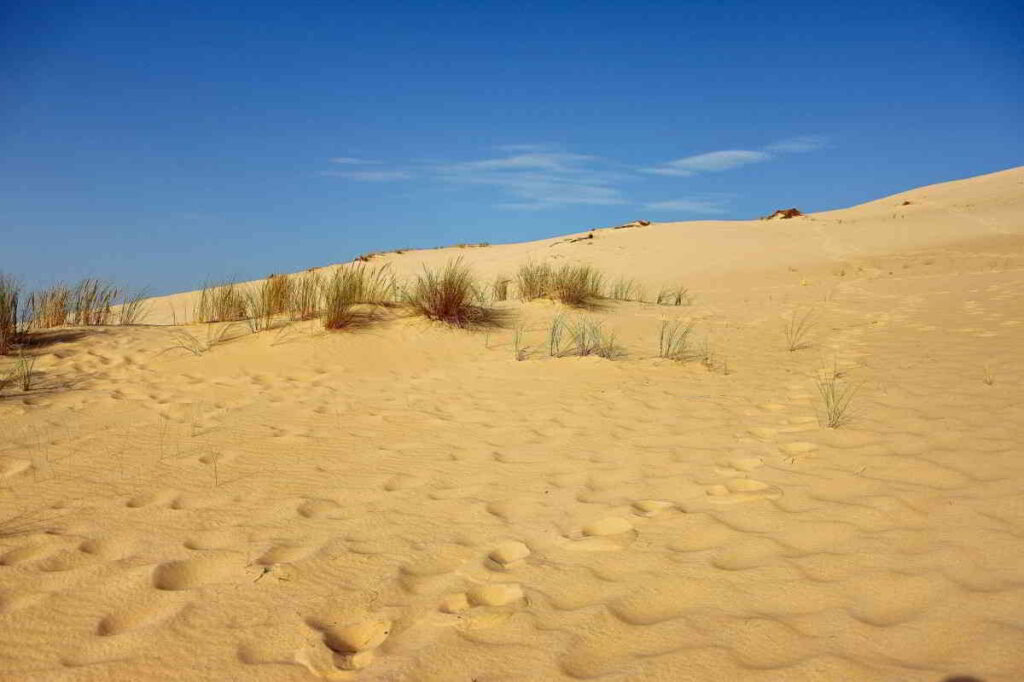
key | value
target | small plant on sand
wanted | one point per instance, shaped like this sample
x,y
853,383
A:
x,y
92,302
796,329
588,337
624,289
836,395
679,295
9,294
220,303
277,290
49,308
132,308
519,351
574,285
450,295
988,377
259,310
351,294
674,340
23,372
499,288
555,335
183,340
306,296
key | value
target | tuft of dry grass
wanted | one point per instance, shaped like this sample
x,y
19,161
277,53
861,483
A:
x,y
92,302
220,303
588,337
499,288
674,340
10,292
677,296
352,293
277,292
836,396
624,289
988,377
796,329
49,307
183,340
450,295
259,307
133,307
306,296
519,350
574,285
24,370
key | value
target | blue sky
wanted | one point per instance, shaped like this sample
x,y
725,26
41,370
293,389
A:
x,y
162,143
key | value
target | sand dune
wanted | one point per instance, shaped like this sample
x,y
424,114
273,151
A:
x,y
410,502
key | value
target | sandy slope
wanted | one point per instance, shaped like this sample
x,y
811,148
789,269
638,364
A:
x,y
412,497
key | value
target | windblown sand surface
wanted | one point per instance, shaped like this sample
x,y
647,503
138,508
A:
x,y
409,502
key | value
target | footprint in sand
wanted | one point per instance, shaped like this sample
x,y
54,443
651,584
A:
x,y
605,535
137,617
322,509
353,644
159,498
652,507
742,490
508,555
192,573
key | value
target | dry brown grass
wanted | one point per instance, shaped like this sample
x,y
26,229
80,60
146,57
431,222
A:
x,y
10,292
220,303
450,295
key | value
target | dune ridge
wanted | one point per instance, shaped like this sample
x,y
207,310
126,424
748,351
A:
x,y
412,502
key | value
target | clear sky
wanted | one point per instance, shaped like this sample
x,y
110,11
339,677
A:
x,y
163,143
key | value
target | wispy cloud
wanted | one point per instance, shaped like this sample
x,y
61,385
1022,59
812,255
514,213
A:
x,y
695,206
352,161
371,175
727,159
534,177
798,145
539,179
711,162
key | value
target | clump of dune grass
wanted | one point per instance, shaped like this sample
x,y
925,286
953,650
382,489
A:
x,y
215,335
533,280
10,292
836,395
796,329
576,285
588,337
50,307
626,289
306,296
675,296
220,303
450,295
259,308
352,294
277,292
499,288
92,302
23,370
674,340
519,351
133,307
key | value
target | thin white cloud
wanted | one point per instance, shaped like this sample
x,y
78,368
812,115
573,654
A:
x,y
711,162
798,145
352,161
539,179
371,175
698,206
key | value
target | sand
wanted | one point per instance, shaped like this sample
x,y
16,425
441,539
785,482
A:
x,y
410,502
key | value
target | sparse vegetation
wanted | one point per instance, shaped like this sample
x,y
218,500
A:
x,y
624,289
836,396
132,308
215,335
220,303
796,329
9,300
588,337
259,310
352,293
555,335
517,343
49,307
677,296
23,372
306,298
450,295
277,292
988,377
574,285
92,302
499,288
674,340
